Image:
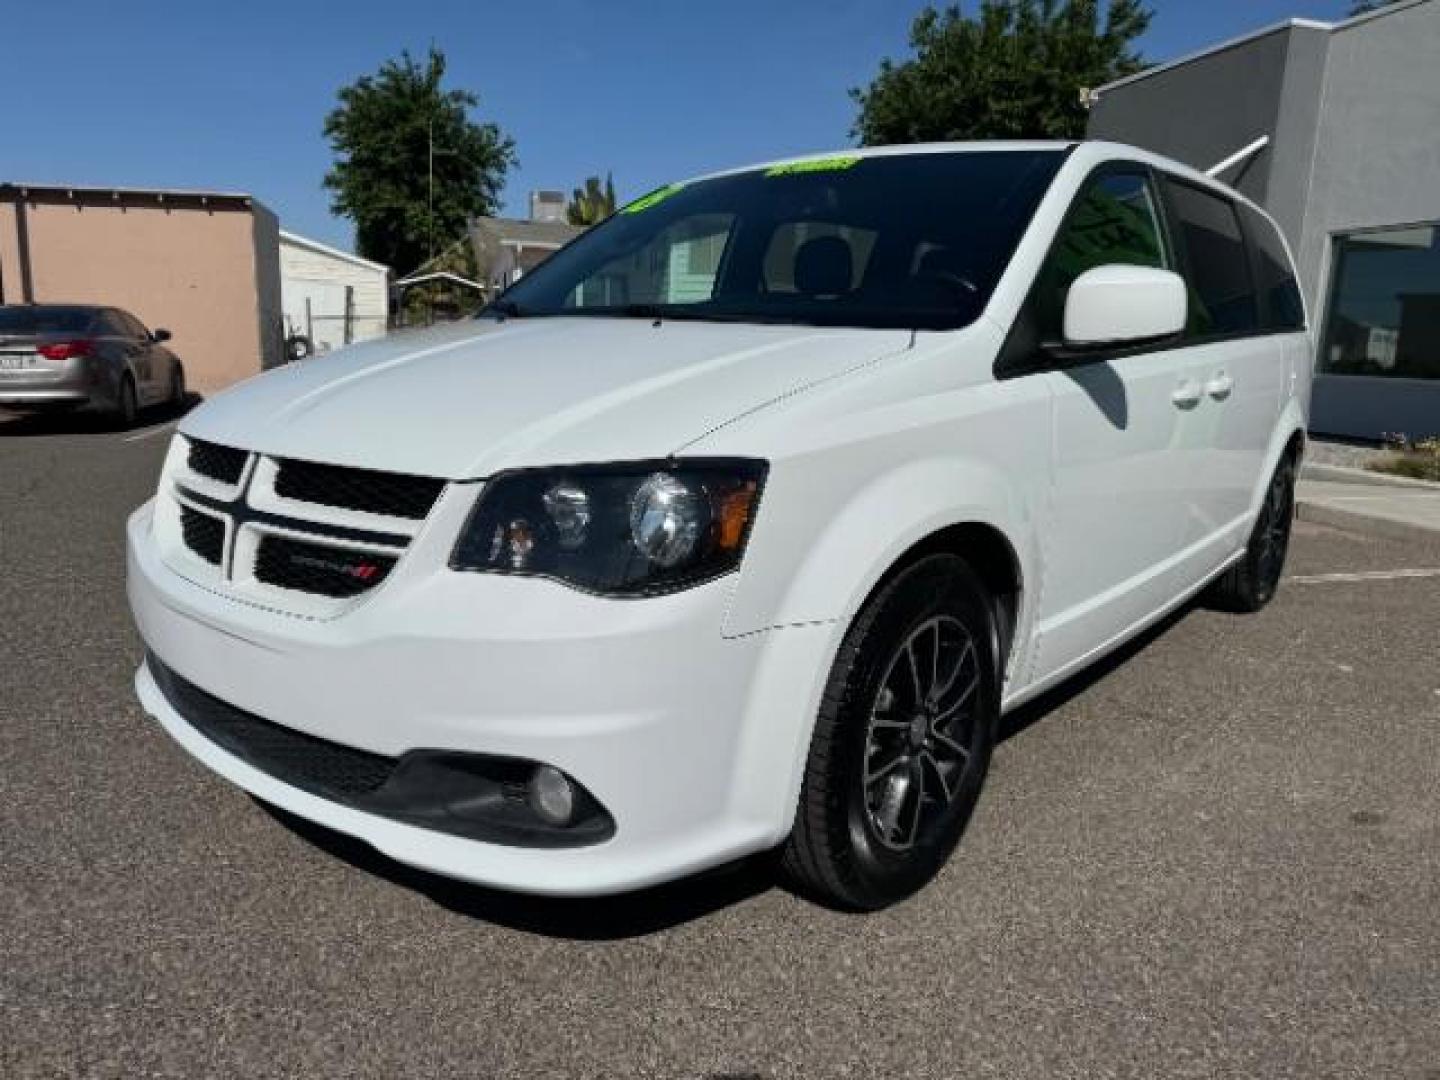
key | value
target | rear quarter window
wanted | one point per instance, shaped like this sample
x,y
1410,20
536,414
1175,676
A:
x,y
1281,307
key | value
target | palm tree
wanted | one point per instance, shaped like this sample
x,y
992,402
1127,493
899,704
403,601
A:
x,y
591,204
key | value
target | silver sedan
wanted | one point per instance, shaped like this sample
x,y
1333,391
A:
x,y
68,356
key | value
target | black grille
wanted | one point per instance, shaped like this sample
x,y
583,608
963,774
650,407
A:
x,y
223,463
315,568
315,765
396,494
204,535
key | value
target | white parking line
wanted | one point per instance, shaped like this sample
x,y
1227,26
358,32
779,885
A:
x,y
1368,575
150,433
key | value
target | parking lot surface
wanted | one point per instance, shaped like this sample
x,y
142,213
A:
x,y
1217,855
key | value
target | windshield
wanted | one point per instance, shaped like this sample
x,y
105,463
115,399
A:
x,y
910,241
45,320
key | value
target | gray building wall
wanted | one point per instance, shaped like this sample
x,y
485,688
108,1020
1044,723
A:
x,y
1203,112
1353,115
267,287
1291,152
1377,163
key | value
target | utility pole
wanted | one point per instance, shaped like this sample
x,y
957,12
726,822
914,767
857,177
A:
x,y
431,152
430,189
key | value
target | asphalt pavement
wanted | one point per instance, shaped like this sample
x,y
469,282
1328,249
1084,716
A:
x,y
1216,856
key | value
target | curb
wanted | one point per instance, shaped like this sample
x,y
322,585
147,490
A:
x,y
1339,474
1389,528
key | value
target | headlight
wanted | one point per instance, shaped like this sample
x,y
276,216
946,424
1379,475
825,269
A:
x,y
619,530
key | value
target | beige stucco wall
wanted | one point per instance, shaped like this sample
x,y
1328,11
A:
x,y
208,276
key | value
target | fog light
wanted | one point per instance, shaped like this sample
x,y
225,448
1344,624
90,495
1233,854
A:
x,y
552,796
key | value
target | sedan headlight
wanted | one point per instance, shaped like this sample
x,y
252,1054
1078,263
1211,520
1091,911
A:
x,y
618,530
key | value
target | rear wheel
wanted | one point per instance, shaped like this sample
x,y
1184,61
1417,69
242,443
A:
x,y
902,742
177,387
127,405
1251,583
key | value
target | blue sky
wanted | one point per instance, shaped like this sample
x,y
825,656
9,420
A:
x,y
232,97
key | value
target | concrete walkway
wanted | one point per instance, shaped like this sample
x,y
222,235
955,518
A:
x,y
1401,512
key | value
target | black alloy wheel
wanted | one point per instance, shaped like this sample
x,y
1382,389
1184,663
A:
x,y
1253,581
902,741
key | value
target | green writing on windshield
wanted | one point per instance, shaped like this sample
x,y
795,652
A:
x,y
829,164
645,202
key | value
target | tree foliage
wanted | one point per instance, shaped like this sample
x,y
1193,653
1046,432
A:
x,y
591,204
1015,69
383,132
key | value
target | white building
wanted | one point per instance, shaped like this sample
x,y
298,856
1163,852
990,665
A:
x,y
330,296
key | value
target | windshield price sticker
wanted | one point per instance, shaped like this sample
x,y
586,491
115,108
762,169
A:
x,y
645,202
829,164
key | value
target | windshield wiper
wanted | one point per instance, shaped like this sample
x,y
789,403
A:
x,y
643,311
502,310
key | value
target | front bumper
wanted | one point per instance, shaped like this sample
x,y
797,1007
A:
x,y
691,741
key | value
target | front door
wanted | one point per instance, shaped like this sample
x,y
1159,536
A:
x,y
1127,450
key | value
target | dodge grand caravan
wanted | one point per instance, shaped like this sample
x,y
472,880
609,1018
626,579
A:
x,y
738,523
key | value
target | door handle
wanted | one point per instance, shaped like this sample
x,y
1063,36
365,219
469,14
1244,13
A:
x,y
1186,395
1220,386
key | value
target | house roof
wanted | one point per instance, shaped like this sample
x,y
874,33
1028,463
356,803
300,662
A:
x,y
522,231
295,239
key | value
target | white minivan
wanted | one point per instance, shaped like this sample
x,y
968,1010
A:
x,y
738,523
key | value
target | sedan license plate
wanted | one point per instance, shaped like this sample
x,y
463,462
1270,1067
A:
x,y
10,361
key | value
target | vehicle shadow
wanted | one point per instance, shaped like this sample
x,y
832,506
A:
x,y
605,918
637,914
1032,712
77,422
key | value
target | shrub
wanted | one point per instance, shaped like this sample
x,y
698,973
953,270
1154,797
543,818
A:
x,y
1417,459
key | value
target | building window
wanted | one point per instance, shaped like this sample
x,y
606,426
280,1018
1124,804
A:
x,y
1385,305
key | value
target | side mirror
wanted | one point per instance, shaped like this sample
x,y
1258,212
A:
x,y
158,336
1124,305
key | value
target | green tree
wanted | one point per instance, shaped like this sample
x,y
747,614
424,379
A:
x,y
411,166
591,204
1016,69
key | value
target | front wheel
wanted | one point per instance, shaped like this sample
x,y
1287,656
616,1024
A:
x,y
902,742
1251,583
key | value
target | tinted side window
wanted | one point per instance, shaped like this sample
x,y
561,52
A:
x,y
1217,268
1115,219
1280,305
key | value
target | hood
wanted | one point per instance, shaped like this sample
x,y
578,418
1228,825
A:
x,y
470,399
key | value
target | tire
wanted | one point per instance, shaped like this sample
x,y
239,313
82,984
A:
x,y
177,388
1251,583
299,347
863,843
127,405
